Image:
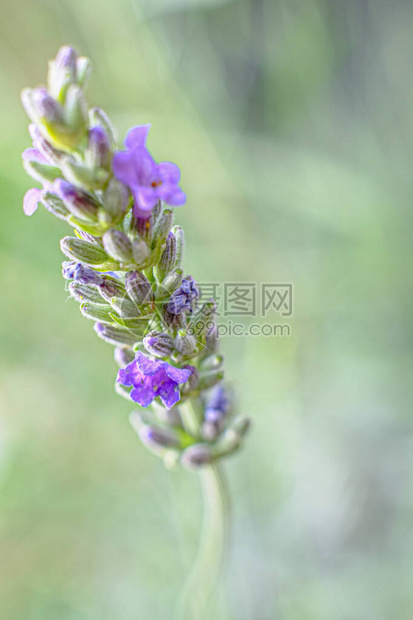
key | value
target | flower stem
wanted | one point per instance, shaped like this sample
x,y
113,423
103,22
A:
x,y
202,581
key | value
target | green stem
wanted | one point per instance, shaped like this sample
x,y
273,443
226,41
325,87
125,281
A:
x,y
202,581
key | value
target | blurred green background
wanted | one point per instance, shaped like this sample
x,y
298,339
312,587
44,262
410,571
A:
x,y
292,122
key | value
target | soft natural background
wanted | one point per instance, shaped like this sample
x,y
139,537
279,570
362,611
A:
x,y
292,121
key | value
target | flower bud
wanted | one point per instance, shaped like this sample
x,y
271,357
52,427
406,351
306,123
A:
x,y
196,456
98,152
79,203
118,245
159,344
180,244
62,72
212,362
138,287
84,292
116,335
83,69
101,312
111,287
80,273
54,204
172,281
125,308
210,379
155,438
184,298
140,251
185,343
228,442
41,108
163,225
84,252
83,176
38,167
241,425
52,155
98,118
143,227
75,113
115,200
167,262
123,356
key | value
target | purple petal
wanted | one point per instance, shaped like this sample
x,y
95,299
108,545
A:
x,y
142,395
130,375
31,200
34,154
169,173
146,366
136,137
145,167
179,375
123,166
171,194
169,394
145,198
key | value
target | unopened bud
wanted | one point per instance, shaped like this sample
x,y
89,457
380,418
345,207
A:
x,y
196,456
138,287
55,205
212,362
163,225
140,251
79,203
111,287
241,425
62,72
101,312
115,200
185,343
159,344
98,152
75,111
125,308
98,118
209,379
172,281
180,245
118,245
123,356
116,335
80,273
167,262
84,252
84,292
38,167
83,69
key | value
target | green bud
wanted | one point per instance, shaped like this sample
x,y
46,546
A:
x,y
62,72
101,313
212,362
98,118
228,442
185,343
75,111
140,252
85,292
116,335
241,425
208,380
167,262
118,245
55,205
115,200
138,287
178,233
125,308
84,252
111,287
172,281
196,456
83,176
41,172
163,225
83,69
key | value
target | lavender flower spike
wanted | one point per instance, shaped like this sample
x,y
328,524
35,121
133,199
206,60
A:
x,y
148,181
150,379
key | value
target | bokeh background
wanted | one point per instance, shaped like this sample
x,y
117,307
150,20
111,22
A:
x,y
292,121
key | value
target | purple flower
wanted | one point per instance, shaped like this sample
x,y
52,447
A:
x,y
150,379
148,181
184,298
80,273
